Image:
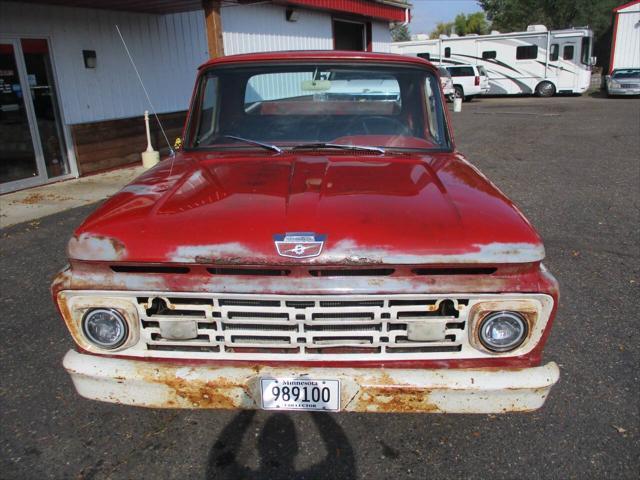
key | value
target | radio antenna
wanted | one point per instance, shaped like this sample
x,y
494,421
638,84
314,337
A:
x,y
172,153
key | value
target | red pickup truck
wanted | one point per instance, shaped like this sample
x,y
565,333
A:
x,y
317,244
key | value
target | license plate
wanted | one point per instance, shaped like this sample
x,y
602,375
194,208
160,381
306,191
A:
x,y
300,394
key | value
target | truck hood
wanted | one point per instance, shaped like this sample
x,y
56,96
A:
x,y
230,208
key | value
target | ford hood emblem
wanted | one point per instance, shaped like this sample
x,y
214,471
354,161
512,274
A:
x,y
299,244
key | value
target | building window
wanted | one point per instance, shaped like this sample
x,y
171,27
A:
x,y
426,56
567,52
554,52
491,54
348,35
527,52
447,52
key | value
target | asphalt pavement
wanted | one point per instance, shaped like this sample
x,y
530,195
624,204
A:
x,y
571,163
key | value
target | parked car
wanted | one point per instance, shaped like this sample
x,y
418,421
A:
x,y
466,81
623,81
311,251
484,79
447,83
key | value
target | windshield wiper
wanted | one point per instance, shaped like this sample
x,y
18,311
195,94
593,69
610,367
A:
x,y
320,145
268,146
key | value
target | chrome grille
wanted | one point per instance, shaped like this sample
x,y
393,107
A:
x,y
303,327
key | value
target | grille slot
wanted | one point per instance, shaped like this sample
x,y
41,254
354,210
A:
x,y
454,271
356,272
250,271
234,302
304,328
149,269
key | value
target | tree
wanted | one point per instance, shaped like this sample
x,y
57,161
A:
x,y
400,33
442,28
514,15
472,23
463,25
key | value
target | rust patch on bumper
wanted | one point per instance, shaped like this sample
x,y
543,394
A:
x,y
193,393
394,399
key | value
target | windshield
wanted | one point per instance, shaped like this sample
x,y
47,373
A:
x,y
289,106
626,73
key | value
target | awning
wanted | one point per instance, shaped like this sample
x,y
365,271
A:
x,y
389,10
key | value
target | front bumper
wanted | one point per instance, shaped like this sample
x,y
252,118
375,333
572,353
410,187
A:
x,y
162,385
624,91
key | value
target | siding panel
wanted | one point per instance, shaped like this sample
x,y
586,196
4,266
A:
x,y
627,41
263,28
167,49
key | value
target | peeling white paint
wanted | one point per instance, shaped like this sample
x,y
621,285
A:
x,y
348,250
87,246
212,253
145,189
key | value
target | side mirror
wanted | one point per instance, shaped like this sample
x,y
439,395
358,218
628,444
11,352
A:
x,y
177,145
607,77
593,61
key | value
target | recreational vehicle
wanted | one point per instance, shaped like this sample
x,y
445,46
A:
x,y
540,61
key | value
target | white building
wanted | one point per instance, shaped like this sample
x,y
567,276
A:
x,y
625,46
70,102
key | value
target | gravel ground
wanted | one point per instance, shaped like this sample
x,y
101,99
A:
x,y
571,163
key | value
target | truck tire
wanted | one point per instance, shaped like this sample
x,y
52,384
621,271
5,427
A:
x,y
459,92
545,89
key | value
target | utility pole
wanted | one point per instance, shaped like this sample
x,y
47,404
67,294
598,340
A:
x,y
213,24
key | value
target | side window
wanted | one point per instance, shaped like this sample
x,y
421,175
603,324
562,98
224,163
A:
x,y
432,96
209,113
527,52
462,71
447,52
567,52
554,52
426,56
586,50
489,55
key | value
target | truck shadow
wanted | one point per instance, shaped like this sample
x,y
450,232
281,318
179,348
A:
x,y
277,447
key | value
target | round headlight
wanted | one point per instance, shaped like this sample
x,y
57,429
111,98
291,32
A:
x,y
503,331
105,328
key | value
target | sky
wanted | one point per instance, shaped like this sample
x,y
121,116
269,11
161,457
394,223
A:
x,y
425,14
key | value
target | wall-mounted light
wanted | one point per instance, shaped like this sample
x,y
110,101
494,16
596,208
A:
x,y
292,15
90,60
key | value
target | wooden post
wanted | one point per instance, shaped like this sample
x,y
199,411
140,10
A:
x,y
213,24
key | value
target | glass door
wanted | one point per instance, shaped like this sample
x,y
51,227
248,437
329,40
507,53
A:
x,y
19,153
32,142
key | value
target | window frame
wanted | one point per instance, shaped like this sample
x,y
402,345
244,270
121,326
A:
x,y
554,52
